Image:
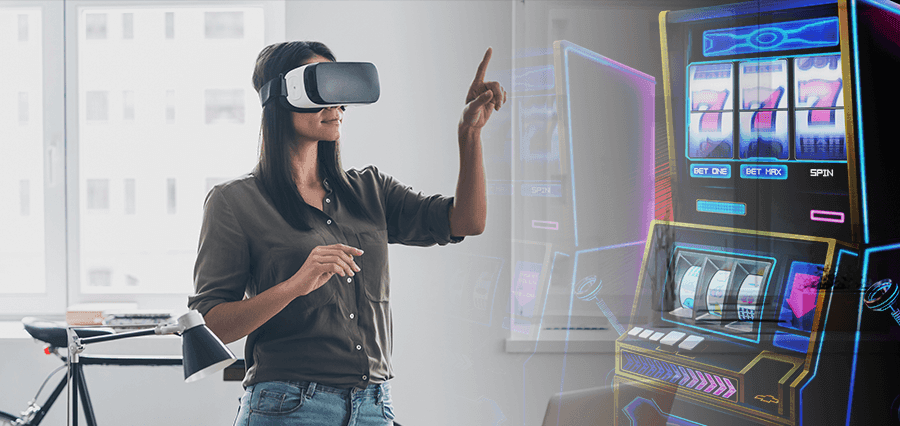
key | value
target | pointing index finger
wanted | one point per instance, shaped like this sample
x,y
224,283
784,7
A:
x,y
482,67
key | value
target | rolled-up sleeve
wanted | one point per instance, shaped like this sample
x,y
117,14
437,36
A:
x,y
222,269
414,218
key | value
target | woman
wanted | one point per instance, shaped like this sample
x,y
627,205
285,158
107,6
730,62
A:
x,y
294,256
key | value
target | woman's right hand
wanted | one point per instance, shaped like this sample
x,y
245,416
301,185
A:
x,y
322,263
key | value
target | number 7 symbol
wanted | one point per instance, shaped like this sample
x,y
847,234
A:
x,y
712,100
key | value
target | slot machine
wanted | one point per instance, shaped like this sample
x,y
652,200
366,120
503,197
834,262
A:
x,y
766,299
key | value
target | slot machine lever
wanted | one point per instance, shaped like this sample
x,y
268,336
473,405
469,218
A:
x,y
882,296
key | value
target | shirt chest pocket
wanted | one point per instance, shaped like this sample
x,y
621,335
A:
x,y
373,264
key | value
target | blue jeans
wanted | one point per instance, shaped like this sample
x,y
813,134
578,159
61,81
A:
x,y
309,403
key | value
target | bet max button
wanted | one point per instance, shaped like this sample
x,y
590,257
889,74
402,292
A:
x,y
703,170
772,171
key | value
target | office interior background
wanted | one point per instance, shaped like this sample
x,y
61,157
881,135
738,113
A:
x,y
117,117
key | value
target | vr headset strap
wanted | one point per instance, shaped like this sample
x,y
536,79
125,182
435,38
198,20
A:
x,y
274,89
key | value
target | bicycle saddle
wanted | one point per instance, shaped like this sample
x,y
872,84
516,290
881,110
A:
x,y
54,332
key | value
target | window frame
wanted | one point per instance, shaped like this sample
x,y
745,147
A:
x,y
62,222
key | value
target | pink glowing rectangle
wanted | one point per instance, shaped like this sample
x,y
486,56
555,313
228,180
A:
x,y
826,216
543,224
803,294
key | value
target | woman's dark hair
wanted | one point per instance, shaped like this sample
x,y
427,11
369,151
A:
x,y
277,139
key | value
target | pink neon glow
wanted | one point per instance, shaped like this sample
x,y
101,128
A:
x,y
721,387
826,94
712,100
703,381
822,216
731,389
803,294
543,224
712,384
693,379
762,120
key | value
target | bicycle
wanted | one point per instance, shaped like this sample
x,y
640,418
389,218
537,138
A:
x,y
55,336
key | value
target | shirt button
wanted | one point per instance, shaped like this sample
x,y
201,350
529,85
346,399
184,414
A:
x,y
349,279
328,200
365,377
328,221
352,316
358,347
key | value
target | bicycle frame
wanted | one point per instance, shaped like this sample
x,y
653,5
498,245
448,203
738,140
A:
x,y
35,413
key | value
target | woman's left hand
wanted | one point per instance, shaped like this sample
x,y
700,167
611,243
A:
x,y
483,99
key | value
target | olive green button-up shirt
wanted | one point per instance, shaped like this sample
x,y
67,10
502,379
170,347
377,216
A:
x,y
340,334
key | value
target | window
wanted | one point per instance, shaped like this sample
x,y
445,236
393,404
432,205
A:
x,y
127,26
170,25
225,106
170,106
224,24
97,105
97,194
145,175
95,26
81,229
23,27
130,197
29,266
171,199
128,105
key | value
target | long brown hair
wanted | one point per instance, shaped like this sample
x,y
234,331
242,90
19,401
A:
x,y
277,139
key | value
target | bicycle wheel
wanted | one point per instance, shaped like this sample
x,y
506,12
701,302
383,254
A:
x,y
7,419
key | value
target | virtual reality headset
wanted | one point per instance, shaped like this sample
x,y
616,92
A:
x,y
312,87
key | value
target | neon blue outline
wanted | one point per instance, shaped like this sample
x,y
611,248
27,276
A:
x,y
821,336
778,166
575,276
735,209
678,247
859,126
593,56
791,31
728,166
787,345
687,108
862,287
571,158
659,410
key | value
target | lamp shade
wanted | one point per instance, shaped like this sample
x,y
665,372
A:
x,y
202,351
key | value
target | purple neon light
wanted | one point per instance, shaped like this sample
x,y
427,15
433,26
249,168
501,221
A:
x,y
712,383
826,216
693,379
543,224
703,381
731,389
721,387
684,375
